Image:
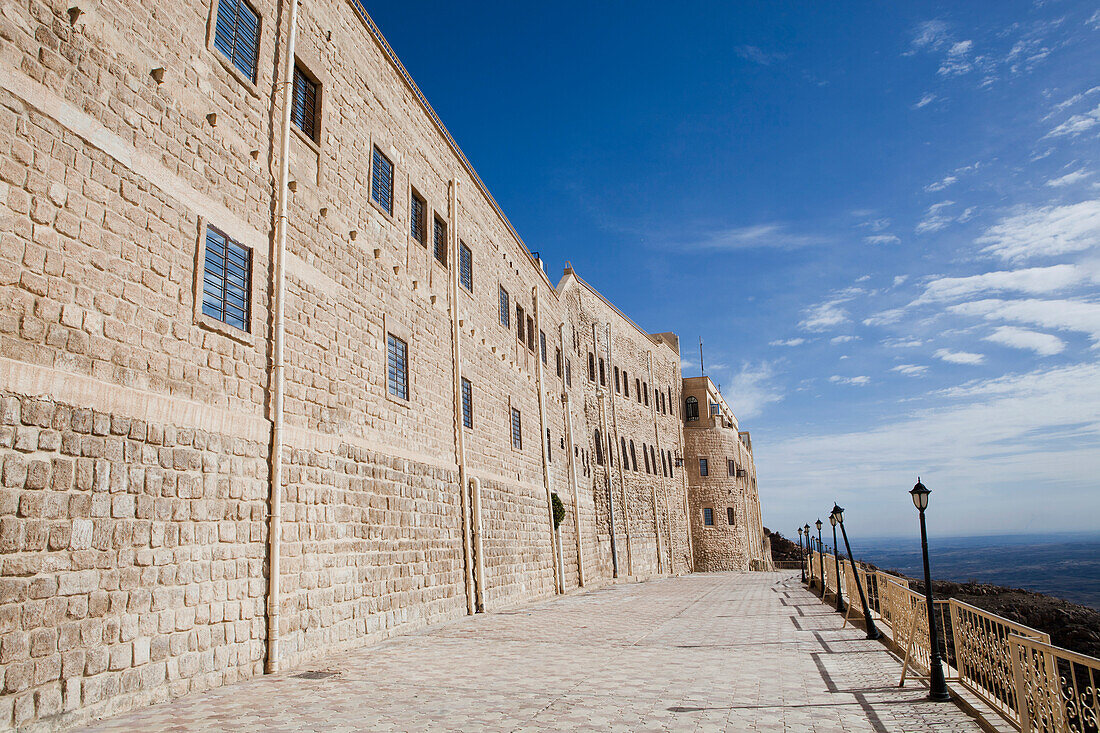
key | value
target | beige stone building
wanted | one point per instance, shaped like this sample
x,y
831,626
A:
x,y
726,526
277,376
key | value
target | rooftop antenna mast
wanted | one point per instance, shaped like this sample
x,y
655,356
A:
x,y
702,372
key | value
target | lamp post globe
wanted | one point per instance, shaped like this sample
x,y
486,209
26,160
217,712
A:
x,y
937,684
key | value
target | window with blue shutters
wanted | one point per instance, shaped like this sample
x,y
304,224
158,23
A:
x,y
381,182
226,280
237,35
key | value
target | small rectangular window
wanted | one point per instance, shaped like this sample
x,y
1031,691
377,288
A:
x,y
418,219
618,388
729,515
645,393
703,468
708,516
603,373
542,345
465,267
467,403
505,309
303,110
626,385
381,181
519,322
530,334
557,362
440,240
397,367
591,367
730,470
517,430
226,280
237,35
568,374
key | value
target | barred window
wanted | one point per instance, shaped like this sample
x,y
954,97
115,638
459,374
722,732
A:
x,y
633,457
645,393
691,409
505,312
591,367
708,516
603,373
226,280
615,372
440,240
568,373
626,385
517,429
530,334
237,35
519,322
598,442
542,345
417,217
557,362
397,371
729,514
465,266
704,469
467,403
303,109
381,182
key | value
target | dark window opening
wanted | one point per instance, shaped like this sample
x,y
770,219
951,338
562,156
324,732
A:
x,y
303,109
440,240
418,218
691,409
465,266
467,403
704,469
517,429
397,367
708,516
729,514
381,181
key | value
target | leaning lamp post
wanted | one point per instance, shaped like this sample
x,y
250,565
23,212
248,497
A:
x,y
937,684
820,555
872,631
809,569
836,561
802,557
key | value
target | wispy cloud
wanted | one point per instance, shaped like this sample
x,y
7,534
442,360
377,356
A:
x,y
1034,281
910,370
787,342
829,314
759,56
757,236
859,381
1077,124
941,184
843,339
1063,315
930,34
753,388
1044,231
958,60
1070,178
937,217
959,357
881,239
1043,344
925,100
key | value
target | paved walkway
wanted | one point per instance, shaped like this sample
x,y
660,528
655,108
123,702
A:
x,y
703,652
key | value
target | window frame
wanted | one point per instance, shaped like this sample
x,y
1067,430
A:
x,y
246,335
465,267
440,245
403,382
229,61
416,198
731,516
467,399
516,428
543,350
704,468
691,415
378,156
300,69
504,305
708,516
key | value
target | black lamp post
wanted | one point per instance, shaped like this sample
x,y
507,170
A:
x,y
801,556
809,570
836,561
937,684
821,556
872,631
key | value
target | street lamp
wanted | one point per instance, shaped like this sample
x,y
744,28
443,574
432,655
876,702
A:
x,y
821,555
836,560
872,632
809,570
801,556
937,684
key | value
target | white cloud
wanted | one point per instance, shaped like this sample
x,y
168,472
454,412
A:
x,y
881,239
1077,124
843,339
859,381
752,389
930,34
788,342
1094,21
1000,437
924,101
1043,344
829,314
1063,315
1044,231
770,235
902,343
1071,101
1034,280
1070,178
910,370
942,183
758,56
958,61
899,279
884,318
936,217
959,357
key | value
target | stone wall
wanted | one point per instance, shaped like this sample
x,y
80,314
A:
x,y
136,432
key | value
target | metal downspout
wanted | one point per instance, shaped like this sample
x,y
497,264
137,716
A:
x,y
555,539
568,407
274,527
456,371
622,480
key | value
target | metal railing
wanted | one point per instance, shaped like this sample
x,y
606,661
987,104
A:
x,y
1013,668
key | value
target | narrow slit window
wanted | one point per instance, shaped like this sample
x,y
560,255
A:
x,y
591,367
542,345
517,429
418,218
465,267
439,238
708,516
633,457
704,469
530,334
520,320
467,403
397,367
603,373
557,362
381,182
505,312
729,515
226,280
237,35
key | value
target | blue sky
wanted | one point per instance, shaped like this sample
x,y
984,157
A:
x,y
883,220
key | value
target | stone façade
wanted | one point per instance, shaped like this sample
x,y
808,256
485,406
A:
x,y
136,432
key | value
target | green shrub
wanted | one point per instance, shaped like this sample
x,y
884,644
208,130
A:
x,y
559,510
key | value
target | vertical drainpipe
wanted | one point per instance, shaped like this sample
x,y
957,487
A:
x,y
657,445
555,541
274,526
568,408
622,480
456,371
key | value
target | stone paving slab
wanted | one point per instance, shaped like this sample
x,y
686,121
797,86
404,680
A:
x,y
704,652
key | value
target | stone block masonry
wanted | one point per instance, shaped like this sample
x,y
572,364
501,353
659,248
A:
x,y
136,428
